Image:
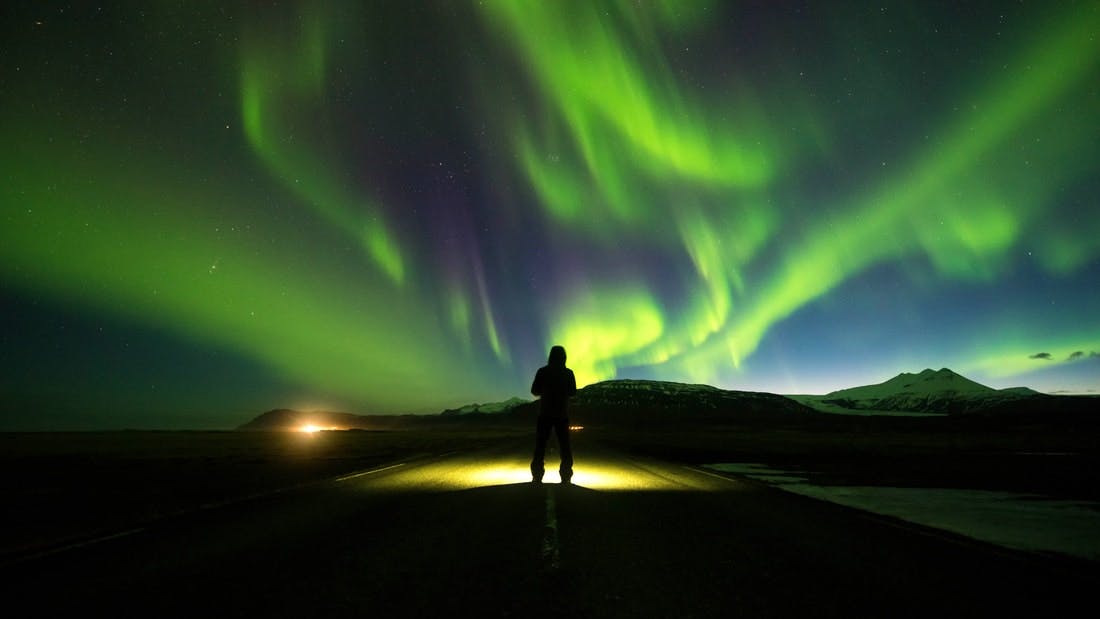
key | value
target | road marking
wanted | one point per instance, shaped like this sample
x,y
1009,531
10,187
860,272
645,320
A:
x,y
73,546
370,472
709,474
551,556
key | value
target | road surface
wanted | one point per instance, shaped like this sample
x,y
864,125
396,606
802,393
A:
x,y
466,534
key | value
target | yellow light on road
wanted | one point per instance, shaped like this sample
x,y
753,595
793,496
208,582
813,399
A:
x,y
499,471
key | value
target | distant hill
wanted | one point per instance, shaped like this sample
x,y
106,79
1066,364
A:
x,y
289,419
613,402
930,391
489,408
648,403
285,419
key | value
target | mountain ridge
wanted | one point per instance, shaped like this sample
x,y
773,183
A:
x,y
640,402
929,391
487,408
613,401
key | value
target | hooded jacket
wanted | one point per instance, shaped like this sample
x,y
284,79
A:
x,y
554,384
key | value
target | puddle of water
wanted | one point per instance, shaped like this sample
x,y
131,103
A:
x,y
1019,521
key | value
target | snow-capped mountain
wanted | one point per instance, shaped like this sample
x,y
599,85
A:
x,y
930,391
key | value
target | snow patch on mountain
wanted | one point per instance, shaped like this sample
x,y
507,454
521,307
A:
x,y
489,407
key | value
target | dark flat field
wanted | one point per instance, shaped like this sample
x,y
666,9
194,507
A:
x,y
1040,460
420,523
65,487
68,487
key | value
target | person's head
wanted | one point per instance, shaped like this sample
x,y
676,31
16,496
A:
x,y
557,356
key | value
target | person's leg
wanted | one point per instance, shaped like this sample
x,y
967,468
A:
x,y
542,434
561,428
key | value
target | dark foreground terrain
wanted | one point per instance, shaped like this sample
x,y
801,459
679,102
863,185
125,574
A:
x,y
431,523
62,488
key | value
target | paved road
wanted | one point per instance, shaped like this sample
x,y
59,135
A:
x,y
464,534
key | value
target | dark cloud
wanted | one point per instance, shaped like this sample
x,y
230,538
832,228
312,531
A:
x,y
1041,355
1075,355
1094,355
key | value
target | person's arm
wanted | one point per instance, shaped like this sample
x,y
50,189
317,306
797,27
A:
x,y
536,385
572,388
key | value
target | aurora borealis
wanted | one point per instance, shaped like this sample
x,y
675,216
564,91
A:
x,y
209,210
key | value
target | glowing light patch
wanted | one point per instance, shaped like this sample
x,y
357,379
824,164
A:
x,y
606,475
314,429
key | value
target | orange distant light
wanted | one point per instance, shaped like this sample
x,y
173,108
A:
x,y
575,428
310,428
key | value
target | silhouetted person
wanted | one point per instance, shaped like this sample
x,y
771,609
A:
x,y
554,384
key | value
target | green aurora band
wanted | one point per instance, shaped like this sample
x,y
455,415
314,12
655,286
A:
x,y
961,202
282,108
100,240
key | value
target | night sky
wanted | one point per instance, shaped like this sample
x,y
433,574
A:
x,y
210,210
